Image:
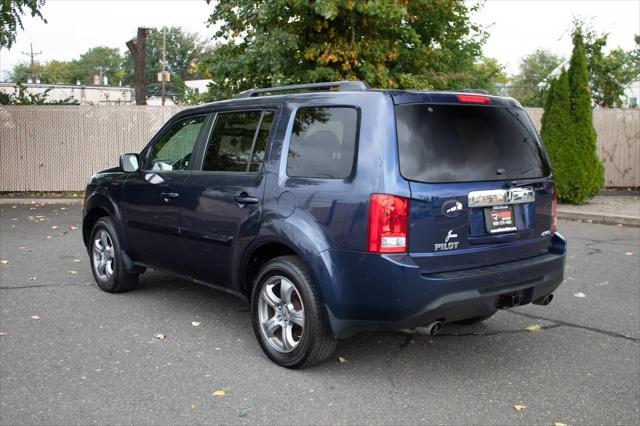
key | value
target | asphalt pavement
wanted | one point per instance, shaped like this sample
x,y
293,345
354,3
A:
x,y
71,354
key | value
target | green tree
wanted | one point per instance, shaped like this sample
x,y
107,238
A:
x,y
557,133
400,44
11,18
90,62
534,68
609,73
488,75
82,69
183,51
582,117
22,71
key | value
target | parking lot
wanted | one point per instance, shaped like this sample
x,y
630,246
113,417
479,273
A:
x,y
71,354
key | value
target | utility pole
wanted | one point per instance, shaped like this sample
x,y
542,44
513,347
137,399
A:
x,y
164,66
33,63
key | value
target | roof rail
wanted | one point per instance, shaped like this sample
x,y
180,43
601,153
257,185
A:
x,y
346,85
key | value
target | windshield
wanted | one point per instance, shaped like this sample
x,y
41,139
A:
x,y
461,143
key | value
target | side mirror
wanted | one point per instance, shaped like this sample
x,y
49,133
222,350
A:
x,y
129,163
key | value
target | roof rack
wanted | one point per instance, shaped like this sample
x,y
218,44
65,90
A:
x,y
347,85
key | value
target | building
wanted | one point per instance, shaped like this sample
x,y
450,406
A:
x,y
85,95
157,101
198,86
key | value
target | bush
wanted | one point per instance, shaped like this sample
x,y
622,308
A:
x,y
568,133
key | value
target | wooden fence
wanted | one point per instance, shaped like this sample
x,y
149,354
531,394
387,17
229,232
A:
x,y
58,148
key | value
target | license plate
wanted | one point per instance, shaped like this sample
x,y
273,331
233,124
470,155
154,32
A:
x,y
499,219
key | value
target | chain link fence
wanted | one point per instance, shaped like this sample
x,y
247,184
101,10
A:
x,y
57,148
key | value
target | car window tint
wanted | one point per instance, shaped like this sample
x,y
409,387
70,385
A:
x,y
174,148
323,142
261,142
230,144
461,143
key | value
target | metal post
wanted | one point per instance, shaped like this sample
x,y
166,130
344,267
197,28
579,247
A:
x,y
164,64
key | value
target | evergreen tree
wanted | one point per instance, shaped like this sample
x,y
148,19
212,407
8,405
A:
x,y
582,116
560,142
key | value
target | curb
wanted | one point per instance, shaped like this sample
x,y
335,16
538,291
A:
x,y
41,201
599,218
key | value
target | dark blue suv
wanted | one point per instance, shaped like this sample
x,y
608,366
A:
x,y
333,208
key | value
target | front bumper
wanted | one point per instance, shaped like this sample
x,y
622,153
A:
x,y
364,291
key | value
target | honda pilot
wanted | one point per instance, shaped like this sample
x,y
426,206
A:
x,y
333,208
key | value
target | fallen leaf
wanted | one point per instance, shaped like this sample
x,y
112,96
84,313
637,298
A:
x,y
629,253
559,424
72,272
35,317
533,328
73,227
620,225
580,295
218,393
4,262
342,360
161,336
54,227
49,237
195,323
519,407
3,333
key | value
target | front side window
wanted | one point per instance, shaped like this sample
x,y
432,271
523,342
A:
x,y
174,148
323,143
238,141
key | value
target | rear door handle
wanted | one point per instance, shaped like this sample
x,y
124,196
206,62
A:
x,y
245,199
169,195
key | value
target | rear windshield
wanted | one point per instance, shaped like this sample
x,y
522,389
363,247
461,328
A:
x,y
462,143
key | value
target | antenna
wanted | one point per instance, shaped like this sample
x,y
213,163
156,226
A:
x,y
32,54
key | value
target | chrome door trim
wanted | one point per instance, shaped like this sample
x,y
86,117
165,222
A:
x,y
497,197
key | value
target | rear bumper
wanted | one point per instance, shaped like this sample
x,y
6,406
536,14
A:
x,y
365,291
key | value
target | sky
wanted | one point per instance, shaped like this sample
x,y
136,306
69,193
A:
x,y
516,27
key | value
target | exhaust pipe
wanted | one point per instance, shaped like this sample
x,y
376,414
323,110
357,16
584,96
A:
x,y
433,328
544,300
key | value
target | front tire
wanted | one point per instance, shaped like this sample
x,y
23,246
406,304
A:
x,y
106,261
288,317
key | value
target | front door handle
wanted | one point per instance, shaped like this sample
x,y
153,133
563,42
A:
x,y
169,195
245,199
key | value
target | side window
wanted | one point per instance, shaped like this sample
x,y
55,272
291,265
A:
x,y
323,142
261,141
233,140
173,150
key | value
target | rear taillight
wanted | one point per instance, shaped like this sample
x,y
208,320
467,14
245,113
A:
x,y
388,223
554,211
474,99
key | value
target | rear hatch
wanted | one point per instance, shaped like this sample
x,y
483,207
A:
x,y
481,192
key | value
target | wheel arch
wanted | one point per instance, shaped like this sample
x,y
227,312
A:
x,y
96,206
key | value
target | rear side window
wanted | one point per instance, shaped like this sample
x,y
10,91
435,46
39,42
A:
x,y
238,141
461,143
323,143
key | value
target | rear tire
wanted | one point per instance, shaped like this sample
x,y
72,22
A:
x,y
106,260
287,315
